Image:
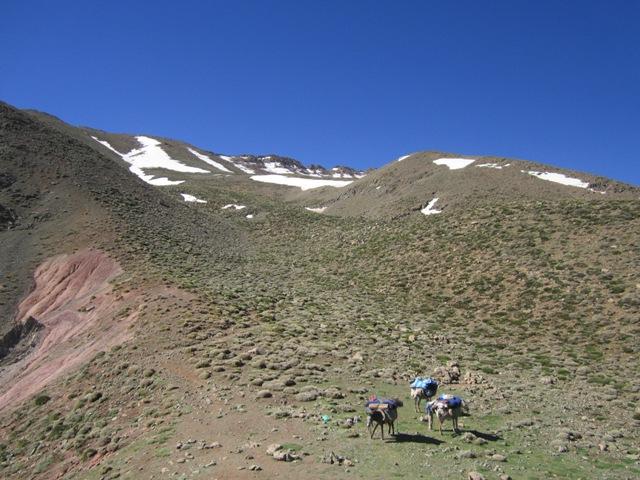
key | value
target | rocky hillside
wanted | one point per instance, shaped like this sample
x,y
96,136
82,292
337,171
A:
x,y
437,182
216,328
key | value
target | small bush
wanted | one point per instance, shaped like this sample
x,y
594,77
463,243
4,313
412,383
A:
x,y
41,399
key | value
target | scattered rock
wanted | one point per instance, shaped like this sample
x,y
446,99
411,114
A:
x,y
308,396
273,448
448,374
334,393
283,456
467,454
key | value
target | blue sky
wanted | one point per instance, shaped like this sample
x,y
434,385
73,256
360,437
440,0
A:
x,y
341,82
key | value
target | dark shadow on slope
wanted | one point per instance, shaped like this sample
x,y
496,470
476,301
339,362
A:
x,y
406,437
490,437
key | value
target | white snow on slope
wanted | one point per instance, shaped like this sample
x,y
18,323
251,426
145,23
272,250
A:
x,y
151,155
208,160
403,157
302,183
317,209
249,216
106,144
234,206
244,168
275,167
429,209
454,163
239,166
558,178
497,166
191,198
156,181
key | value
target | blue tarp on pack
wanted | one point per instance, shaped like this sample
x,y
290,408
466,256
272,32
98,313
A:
x,y
452,402
429,385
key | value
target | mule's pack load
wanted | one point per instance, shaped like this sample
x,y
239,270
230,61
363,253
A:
x,y
381,404
428,385
450,401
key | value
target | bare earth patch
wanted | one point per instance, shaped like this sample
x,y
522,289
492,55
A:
x,y
73,300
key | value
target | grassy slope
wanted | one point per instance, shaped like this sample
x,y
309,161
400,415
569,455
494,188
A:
x,y
515,293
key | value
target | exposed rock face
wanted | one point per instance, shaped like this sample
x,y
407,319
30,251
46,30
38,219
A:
x,y
72,297
19,338
448,374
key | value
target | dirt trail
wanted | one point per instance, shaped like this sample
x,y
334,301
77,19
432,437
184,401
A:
x,y
74,302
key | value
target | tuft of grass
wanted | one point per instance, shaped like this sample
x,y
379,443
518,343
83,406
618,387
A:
x,y
41,399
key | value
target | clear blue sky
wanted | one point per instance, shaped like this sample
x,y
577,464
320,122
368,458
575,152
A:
x,y
341,82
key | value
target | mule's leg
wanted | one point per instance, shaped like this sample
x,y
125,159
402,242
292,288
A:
x,y
440,420
382,429
371,425
373,431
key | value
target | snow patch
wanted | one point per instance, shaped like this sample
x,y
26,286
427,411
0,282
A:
x,y
302,183
239,166
151,155
106,144
208,160
243,168
558,178
429,209
234,206
275,167
191,198
403,157
317,209
249,216
454,163
497,166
